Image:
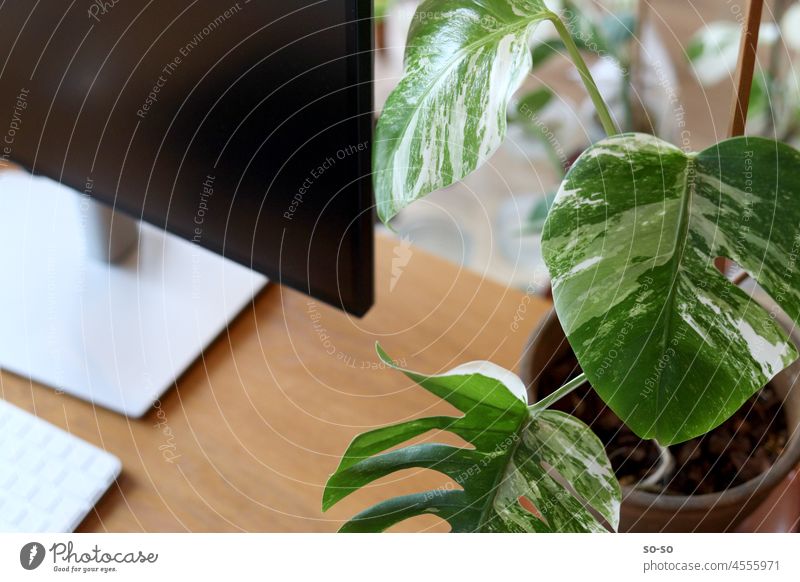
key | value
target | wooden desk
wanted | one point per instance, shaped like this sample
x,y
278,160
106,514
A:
x,y
247,438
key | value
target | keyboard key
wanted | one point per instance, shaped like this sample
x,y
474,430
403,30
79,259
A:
x,y
69,512
53,470
46,498
82,486
40,434
14,448
59,447
80,456
33,520
15,426
25,485
8,474
31,461
14,512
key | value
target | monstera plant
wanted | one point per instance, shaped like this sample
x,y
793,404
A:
x,y
666,340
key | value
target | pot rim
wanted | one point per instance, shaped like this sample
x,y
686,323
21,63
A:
x,y
742,493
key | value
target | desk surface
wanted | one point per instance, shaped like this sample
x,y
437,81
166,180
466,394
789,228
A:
x,y
247,438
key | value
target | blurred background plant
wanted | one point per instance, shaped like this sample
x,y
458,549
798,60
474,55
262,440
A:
x,y
633,71
660,65
775,96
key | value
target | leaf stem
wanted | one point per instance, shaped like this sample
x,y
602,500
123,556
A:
x,y
550,399
591,87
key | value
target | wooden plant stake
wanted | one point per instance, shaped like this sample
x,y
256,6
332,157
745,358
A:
x,y
745,68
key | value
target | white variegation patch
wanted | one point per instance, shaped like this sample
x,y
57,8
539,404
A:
x,y
597,152
491,370
770,356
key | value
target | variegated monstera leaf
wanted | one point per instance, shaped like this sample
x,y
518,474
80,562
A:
x,y
464,60
670,344
524,473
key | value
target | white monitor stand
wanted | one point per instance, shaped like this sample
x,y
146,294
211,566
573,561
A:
x,y
100,307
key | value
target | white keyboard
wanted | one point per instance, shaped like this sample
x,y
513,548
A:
x,y
49,479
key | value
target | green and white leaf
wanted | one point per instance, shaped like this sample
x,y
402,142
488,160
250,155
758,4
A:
x,y
548,457
670,344
464,61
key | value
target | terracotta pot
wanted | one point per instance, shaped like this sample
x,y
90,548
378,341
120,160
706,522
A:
x,y
717,512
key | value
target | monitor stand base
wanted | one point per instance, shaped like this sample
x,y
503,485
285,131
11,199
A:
x,y
117,334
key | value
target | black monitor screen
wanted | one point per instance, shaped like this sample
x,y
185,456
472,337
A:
x,y
242,126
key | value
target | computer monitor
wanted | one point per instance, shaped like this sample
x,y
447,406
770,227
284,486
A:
x,y
242,127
